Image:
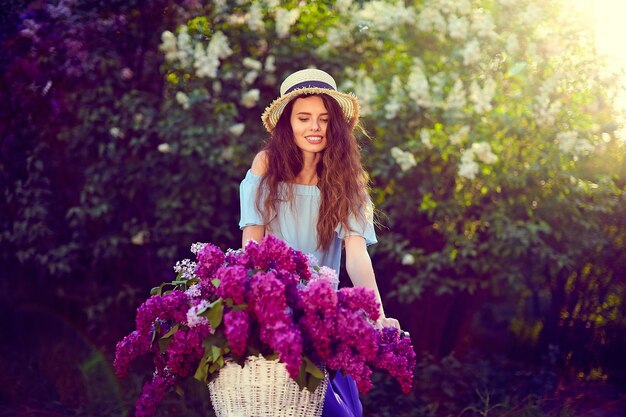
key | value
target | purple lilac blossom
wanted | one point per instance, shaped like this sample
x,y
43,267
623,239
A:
x,y
152,393
232,283
328,274
171,306
319,304
396,356
127,350
269,304
237,257
302,265
271,253
185,349
209,258
360,298
237,328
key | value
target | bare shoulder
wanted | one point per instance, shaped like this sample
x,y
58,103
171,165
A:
x,y
259,164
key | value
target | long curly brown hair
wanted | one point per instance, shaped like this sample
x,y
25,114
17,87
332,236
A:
x,y
342,181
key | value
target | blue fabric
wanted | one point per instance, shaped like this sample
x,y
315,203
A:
x,y
342,398
296,225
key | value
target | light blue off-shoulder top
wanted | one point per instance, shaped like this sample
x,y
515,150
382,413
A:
x,y
296,223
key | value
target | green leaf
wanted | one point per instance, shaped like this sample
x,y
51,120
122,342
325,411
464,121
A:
x,y
216,353
215,314
179,390
171,333
202,370
312,369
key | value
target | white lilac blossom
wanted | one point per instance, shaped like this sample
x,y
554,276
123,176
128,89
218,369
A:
x,y
284,20
482,151
184,46
182,99
408,259
218,49
483,26
252,64
219,46
385,16
546,111
569,142
425,138
431,20
250,77
445,6
456,97
471,52
458,27
417,85
192,314
168,45
237,129
531,15
197,247
393,106
342,6
205,65
227,153
270,64
193,291
335,38
250,98
220,5
186,268
468,168
406,160
460,135
116,132
365,89
512,44
164,148
463,6
481,97
140,238
217,87
254,18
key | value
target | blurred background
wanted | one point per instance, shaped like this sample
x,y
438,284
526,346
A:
x,y
497,152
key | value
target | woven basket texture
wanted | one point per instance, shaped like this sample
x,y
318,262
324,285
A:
x,y
263,388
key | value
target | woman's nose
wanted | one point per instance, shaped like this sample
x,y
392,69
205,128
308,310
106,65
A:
x,y
315,125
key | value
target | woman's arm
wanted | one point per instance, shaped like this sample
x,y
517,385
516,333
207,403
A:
x,y
361,273
255,233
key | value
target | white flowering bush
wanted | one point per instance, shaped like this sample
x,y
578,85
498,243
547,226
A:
x,y
488,119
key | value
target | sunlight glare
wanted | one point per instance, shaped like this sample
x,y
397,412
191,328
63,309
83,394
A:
x,y
608,19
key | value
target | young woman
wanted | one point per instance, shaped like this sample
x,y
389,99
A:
x,y
308,188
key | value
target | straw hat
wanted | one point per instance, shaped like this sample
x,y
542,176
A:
x,y
309,81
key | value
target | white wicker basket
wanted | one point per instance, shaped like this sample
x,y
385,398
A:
x,y
263,388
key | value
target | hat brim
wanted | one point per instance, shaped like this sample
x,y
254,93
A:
x,y
348,102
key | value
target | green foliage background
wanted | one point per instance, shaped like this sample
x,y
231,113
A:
x,y
115,159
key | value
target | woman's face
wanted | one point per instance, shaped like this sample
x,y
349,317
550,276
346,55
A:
x,y
309,120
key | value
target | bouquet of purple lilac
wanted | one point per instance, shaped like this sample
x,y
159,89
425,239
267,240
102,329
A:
x,y
267,299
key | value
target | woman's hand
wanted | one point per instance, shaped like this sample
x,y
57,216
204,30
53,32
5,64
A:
x,y
390,322
387,322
